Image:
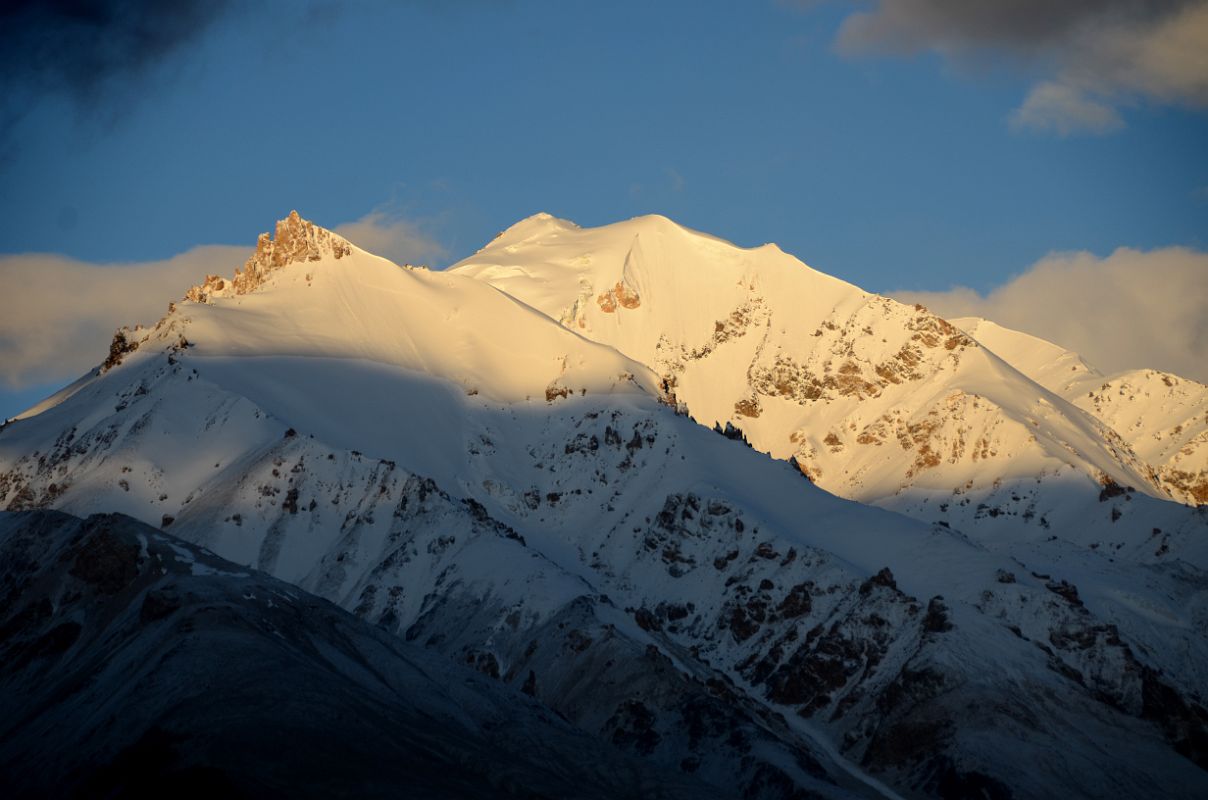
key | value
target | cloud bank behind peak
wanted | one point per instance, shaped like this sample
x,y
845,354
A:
x,y
1132,309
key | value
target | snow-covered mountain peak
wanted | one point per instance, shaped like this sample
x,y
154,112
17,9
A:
x,y
536,226
296,240
1162,417
1049,364
307,292
575,274
813,368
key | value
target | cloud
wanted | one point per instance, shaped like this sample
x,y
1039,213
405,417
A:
x,y
906,26
671,182
57,314
1095,56
390,236
676,180
1064,110
1133,309
87,49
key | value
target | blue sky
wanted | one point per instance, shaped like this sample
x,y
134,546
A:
x,y
741,119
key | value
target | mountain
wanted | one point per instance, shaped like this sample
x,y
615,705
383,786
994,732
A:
x,y
1164,418
873,400
135,664
441,456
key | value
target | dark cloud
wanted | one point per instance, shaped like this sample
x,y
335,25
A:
x,y
79,45
89,50
911,25
1094,56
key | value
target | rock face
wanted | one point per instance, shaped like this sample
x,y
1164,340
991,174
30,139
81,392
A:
x,y
619,295
119,348
296,241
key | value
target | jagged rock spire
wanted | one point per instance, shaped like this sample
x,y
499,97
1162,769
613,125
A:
x,y
295,240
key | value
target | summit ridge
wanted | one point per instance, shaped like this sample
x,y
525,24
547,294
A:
x,y
295,241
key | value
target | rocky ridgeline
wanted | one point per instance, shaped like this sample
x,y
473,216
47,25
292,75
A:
x,y
296,240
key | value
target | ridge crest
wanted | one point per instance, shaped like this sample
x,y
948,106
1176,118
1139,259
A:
x,y
295,240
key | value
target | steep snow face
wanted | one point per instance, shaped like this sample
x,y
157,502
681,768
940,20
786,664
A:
x,y
1163,418
874,400
650,287
1059,370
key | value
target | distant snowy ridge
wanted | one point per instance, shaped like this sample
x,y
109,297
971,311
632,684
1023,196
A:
x,y
1163,417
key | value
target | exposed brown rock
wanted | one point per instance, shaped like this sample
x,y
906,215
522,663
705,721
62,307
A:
x,y
798,602
902,366
118,350
786,378
296,240
849,382
619,295
211,285
1192,486
748,407
626,297
931,331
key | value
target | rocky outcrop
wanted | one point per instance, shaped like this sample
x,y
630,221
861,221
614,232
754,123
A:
x,y
619,295
212,285
119,348
296,241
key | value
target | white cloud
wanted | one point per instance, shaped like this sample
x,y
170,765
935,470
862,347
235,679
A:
x,y
1064,110
675,179
57,314
1130,310
390,236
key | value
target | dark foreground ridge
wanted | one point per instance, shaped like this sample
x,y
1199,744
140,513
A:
x,y
132,663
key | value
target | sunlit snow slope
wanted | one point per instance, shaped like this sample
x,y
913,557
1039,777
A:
x,y
1163,417
874,400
